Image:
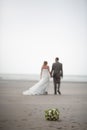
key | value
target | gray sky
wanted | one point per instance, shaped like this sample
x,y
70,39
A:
x,y
36,30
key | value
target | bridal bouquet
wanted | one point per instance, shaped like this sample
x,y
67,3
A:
x,y
52,114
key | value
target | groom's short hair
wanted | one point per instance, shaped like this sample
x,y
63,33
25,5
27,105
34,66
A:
x,y
57,58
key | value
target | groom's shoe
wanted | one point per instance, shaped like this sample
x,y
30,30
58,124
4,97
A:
x,y
59,92
46,93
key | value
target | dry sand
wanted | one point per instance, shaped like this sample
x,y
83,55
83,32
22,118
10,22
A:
x,y
18,112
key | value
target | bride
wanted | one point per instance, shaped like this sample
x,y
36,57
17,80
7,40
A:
x,y
41,86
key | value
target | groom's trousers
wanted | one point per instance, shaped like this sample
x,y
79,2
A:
x,y
56,87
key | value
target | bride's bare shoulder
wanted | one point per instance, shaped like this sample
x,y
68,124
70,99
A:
x,y
45,67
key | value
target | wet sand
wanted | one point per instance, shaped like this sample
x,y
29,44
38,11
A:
x,y
19,112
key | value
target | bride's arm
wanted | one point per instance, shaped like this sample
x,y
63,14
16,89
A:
x,y
41,73
49,70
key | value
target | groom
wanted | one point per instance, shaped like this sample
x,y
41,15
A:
x,y
57,73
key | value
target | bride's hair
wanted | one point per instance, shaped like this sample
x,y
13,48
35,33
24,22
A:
x,y
45,63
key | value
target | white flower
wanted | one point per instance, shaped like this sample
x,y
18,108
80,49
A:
x,y
52,114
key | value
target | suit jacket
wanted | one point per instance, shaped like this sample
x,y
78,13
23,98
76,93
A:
x,y
57,70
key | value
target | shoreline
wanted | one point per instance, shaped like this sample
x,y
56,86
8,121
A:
x,y
66,78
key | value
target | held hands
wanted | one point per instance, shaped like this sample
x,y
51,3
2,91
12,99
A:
x,y
51,75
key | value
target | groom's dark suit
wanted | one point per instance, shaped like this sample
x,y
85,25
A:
x,y
57,73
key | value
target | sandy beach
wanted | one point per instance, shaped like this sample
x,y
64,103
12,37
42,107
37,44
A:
x,y
19,112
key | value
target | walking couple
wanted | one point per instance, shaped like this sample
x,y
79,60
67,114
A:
x,y
41,87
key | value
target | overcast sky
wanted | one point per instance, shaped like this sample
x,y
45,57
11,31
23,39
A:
x,y
36,30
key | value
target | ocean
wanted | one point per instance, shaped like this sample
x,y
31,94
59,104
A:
x,y
66,78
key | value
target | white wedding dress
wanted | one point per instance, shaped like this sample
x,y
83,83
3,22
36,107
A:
x,y
40,87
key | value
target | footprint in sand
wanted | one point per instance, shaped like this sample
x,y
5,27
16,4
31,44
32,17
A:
x,y
19,125
3,121
24,119
59,128
30,114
